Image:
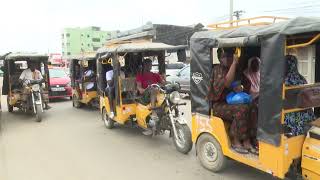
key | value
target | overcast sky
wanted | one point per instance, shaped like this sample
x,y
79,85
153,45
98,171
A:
x,y
36,25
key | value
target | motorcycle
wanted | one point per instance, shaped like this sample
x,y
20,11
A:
x,y
170,118
34,102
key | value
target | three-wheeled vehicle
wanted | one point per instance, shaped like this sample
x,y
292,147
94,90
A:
x,y
30,96
129,108
280,153
83,80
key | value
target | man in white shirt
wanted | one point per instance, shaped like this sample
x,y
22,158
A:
x,y
31,74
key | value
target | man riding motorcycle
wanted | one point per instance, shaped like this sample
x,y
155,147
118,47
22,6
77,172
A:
x,y
149,95
28,75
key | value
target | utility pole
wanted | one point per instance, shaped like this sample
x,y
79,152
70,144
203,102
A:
x,y
238,14
231,11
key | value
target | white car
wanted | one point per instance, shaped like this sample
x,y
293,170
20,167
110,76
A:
x,y
183,78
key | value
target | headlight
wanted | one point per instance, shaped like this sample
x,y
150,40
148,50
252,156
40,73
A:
x,y
175,97
36,87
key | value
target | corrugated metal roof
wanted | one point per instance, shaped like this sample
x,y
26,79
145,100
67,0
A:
x,y
139,47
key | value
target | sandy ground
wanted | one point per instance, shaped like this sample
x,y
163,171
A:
x,y
73,144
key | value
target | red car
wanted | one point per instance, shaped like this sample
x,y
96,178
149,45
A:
x,y
60,83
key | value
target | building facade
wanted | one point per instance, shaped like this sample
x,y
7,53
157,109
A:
x,y
79,40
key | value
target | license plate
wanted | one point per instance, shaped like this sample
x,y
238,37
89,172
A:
x,y
58,89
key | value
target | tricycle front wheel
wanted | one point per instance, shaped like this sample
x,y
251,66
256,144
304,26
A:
x,y
108,122
76,101
38,113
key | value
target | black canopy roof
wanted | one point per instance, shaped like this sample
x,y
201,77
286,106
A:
x,y
272,41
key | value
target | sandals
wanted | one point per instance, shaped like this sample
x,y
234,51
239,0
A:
x,y
240,150
254,151
243,150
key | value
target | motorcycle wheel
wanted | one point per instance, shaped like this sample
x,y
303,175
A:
x,y
184,142
38,113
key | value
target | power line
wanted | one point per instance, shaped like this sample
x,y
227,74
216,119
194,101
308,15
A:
x,y
295,8
304,2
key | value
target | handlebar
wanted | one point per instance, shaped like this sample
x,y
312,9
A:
x,y
32,82
157,86
168,88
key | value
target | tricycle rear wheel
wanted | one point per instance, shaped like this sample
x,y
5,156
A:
x,y
210,153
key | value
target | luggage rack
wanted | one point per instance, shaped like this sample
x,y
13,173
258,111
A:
x,y
255,21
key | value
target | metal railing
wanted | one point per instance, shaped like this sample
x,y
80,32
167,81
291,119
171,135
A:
x,y
255,21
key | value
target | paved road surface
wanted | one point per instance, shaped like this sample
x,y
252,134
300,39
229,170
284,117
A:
x,y
73,144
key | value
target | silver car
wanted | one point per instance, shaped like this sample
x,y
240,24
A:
x,y
183,78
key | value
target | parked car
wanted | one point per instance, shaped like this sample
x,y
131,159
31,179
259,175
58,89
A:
x,y
171,69
60,83
174,68
182,77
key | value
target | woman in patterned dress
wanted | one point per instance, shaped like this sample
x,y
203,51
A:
x,y
238,115
296,121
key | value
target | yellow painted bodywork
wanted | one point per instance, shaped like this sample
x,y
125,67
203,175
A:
x,y
87,97
272,159
14,98
311,159
125,111
142,114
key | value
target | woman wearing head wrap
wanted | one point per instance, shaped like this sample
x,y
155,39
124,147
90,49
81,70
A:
x,y
238,115
251,81
252,73
296,121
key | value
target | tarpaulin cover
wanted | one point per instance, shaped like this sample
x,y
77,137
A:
x,y
271,39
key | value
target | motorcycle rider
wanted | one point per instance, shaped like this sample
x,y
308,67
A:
x,y
31,73
144,80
